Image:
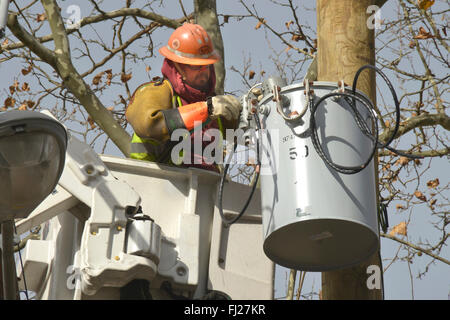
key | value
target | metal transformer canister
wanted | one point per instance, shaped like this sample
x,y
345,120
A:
x,y
315,218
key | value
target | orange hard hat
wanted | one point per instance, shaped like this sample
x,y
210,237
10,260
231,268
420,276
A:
x,y
190,44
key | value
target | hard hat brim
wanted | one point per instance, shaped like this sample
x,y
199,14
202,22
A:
x,y
210,59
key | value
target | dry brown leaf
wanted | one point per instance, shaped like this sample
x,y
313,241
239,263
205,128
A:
x,y
423,34
425,4
109,76
433,183
432,202
419,195
91,122
16,85
125,77
399,229
288,24
12,89
23,106
297,37
25,87
27,70
260,23
30,103
402,161
399,207
9,102
225,18
5,42
41,17
251,74
147,68
412,44
98,78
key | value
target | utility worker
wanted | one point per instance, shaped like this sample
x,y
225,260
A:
x,y
183,97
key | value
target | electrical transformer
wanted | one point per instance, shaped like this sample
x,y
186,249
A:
x,y
314,217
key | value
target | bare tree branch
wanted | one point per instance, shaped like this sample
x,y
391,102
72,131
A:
x,y
104,17
422,120
409,244
29,41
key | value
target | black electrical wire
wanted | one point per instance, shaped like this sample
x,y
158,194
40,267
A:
x,y
383,217
350,99
394,96
397,110
229,222
315,139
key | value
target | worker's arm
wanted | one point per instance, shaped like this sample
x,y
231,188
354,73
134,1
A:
x,y
144,112
187,116
151,115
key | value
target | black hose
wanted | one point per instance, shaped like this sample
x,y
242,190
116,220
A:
x,y
229,222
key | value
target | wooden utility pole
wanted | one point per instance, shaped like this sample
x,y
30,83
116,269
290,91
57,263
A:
x,y
344,44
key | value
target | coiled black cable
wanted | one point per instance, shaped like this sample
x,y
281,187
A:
x,y
229,222
315,139
394,96
350,99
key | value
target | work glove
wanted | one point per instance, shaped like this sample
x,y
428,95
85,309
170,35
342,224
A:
x,y
225,106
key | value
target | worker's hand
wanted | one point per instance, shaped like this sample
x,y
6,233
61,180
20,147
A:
x,y
226,106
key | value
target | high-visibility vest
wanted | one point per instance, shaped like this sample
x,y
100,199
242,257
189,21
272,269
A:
x,y
156,151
